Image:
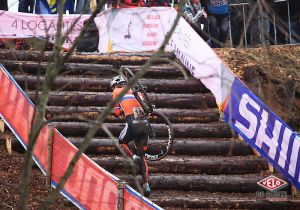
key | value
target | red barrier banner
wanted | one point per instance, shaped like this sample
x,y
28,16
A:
x,y
18,111
14,107
89,186
132,200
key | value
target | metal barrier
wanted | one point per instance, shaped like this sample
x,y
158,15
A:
x,y
246,4
289,21
244,23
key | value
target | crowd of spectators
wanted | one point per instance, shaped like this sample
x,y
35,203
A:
x,y
244,22
247,22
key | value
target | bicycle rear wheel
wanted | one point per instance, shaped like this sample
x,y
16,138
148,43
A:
x,y
161,137
139,93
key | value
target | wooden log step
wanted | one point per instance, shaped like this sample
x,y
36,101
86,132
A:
x,y
188,101
225,147
101,70
174,115
211,130
189,164
103,58
210,146
175,200
195,147
103,85
242,183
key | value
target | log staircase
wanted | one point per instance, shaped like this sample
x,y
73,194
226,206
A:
x,y
208,167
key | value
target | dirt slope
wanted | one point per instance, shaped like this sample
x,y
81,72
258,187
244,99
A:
x,y
271,73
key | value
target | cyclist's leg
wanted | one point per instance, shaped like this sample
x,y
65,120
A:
x,y
140,151
141,130
126,136
141,143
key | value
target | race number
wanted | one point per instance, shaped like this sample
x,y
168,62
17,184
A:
x,y
138,113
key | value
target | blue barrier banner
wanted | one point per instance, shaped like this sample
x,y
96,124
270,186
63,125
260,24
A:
x,y
263,130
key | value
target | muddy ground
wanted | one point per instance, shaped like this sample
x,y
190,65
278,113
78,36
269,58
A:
x,y
10,171
272,73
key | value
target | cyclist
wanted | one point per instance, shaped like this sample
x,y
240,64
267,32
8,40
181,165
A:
x,y
136,128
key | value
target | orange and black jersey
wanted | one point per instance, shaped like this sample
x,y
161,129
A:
x,y
127,103
134,130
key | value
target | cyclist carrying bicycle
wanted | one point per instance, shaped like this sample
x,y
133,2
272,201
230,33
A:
x,y
136,128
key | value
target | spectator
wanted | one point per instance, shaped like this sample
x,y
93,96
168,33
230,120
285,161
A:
x,y
154,3
125,4
51,7
27,7
260,25
82,7
238,12
2,44
94,4
3,6
143,3
218,21
69,6
194,13
280,36
90,40
282,22
295,21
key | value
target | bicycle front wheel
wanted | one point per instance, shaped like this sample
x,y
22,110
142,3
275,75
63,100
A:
x,y
161,136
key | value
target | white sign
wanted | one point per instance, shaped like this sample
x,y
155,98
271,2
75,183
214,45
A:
x,y
134,29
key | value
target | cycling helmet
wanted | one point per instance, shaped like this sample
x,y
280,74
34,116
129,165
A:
x,y
117,80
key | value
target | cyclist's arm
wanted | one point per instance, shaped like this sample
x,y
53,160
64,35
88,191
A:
x,y
118,110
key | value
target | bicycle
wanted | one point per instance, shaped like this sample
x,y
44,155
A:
x,y
161,135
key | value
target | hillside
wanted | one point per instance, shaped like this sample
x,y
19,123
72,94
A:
x,y
271,73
